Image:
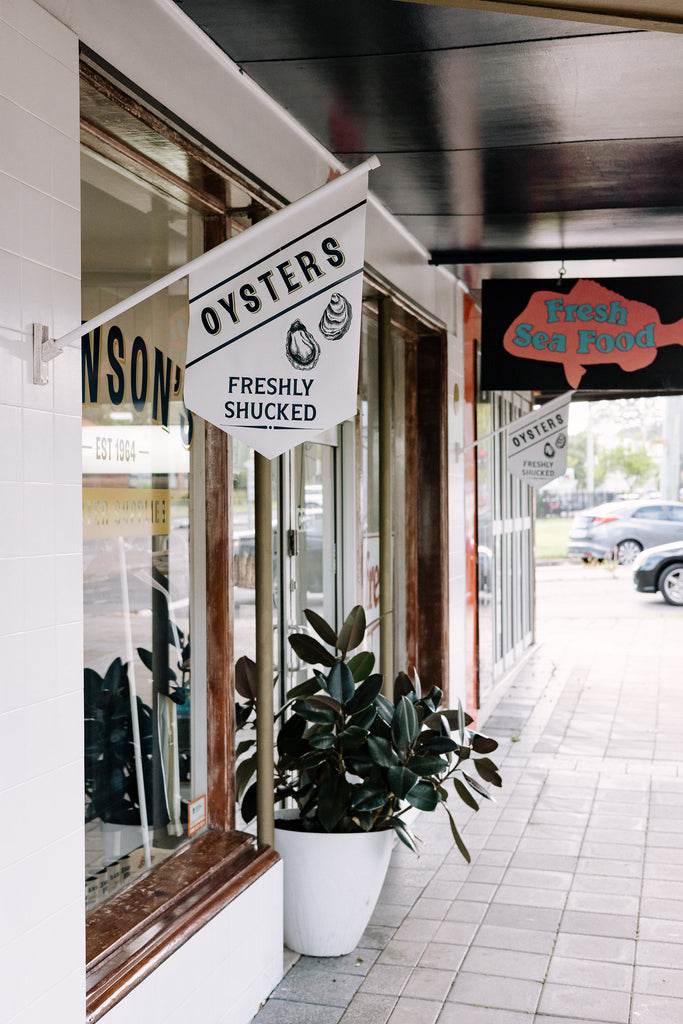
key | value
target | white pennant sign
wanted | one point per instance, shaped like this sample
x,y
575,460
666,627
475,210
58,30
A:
x,y
537,443
274,333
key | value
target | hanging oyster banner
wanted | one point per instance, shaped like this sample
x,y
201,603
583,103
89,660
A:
x,y
274,334
537,443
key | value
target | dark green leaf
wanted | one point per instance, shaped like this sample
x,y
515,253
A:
x,y
340,684
461,724
322,628
333,801
323,740
310,760
401,780
365,694
433,698
311,650
364,719
305,689
488,770
353,630
405,725
313,714
482,744
404,834
465,795
438,744
289,737
352,738
368,798
456,836
246,682
452,717
364,820
426,764
385,709
477,787
244,746
248,807
361,665
402,686
423,796
382,752
146,659
243,775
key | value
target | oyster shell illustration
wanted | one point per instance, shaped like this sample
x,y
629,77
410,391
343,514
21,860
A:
x,y
302,350
548,450
336,319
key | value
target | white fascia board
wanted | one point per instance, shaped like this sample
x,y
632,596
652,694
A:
x,y
163,52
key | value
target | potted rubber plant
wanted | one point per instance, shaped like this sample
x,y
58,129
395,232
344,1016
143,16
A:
x,y
352,764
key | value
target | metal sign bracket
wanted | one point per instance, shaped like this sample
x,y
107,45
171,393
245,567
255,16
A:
x,y
44,350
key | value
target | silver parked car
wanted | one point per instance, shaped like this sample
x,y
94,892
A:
x,y
622,529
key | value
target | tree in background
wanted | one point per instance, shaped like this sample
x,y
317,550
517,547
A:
x,y
576,458
637,467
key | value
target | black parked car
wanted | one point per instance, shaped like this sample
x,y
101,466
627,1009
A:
x,y
661,568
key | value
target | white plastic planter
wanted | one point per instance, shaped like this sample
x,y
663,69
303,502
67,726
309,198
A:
x,y
331,885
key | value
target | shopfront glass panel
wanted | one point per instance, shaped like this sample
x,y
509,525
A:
x,y
143,530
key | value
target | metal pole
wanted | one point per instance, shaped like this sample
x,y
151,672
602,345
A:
x,y
386,575
264,650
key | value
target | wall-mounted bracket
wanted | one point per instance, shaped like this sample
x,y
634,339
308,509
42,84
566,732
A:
x,y
44,349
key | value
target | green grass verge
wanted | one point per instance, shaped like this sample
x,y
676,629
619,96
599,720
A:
x,y
551,536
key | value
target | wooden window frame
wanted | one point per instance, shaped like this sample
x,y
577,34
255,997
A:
x,y
136,929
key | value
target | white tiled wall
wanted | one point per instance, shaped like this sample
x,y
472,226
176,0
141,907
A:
x,y
41,791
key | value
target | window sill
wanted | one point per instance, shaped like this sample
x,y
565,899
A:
x,y
129,935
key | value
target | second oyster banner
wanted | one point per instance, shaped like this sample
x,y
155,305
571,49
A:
x,y
274,332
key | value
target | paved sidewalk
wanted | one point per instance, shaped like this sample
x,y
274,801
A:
x,y
572,909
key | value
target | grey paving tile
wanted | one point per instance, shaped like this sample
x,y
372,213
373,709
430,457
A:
x,y
662,910
526,939
659,981
281,1011
399,952
659,954
538,878
429,983
376,936
582,923
660,931
388,915
463,1013
522,895
493,991
457,932
595,947
386,979
367,1008
608,866
358,962
603,903
443,956
478,892
319,987
431,909
656,1010
590,973
606,885
415,1011
417,929
585,1003
508,963
542,1018
522,916
465,911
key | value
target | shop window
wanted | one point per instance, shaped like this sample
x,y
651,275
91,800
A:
x,y
159,488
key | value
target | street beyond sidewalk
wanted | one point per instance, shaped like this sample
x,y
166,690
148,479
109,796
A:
x,y
571,911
